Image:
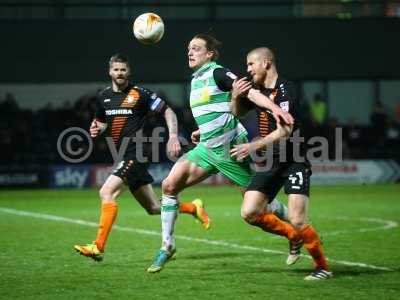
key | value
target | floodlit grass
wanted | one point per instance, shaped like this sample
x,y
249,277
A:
x,y
230,261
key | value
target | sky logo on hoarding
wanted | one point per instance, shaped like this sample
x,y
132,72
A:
x,y
71,177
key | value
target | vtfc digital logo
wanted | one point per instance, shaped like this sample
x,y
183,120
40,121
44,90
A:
x,y
75,145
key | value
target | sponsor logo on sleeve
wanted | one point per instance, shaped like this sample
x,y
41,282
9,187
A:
x,y
231,75
284,105
156,103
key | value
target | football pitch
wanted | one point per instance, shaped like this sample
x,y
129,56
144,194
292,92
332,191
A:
x,y
38,228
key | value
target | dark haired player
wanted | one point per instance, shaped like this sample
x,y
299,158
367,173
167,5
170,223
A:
x,y
218,131
123,108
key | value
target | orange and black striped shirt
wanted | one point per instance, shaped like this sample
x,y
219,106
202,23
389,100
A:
x,y
125,112
284,95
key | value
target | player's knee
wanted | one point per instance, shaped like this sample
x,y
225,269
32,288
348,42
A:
x,y
249,215
168,187
297,222
153,210
150,211
106,194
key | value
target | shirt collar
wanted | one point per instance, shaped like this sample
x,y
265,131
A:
x,y
276,86
204,68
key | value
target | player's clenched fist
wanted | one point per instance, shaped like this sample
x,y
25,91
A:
x,y
195,137
97,128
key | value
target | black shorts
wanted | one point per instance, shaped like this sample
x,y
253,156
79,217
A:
x,y
294,177
134,174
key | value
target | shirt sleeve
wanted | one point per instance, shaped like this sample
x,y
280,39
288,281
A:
x,y
292,101
154,102
224,79
100,113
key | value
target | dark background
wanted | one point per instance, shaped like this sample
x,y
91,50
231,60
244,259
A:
x,y
77,51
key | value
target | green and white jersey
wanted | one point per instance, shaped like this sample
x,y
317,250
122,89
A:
x,y
211,111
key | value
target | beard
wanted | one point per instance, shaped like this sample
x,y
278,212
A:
x,y
259,78
121,81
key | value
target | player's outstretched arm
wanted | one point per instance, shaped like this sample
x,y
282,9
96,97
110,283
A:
x,y
240,88
173,145
263,101
241,151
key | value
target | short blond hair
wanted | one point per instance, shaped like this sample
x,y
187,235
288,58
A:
x,y
263,53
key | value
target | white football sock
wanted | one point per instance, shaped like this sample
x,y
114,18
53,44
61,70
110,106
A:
x,y
169,213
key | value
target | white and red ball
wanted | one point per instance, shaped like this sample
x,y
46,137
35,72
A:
x,y
148,28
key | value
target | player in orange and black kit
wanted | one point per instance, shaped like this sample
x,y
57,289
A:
x,y
291,170
123,108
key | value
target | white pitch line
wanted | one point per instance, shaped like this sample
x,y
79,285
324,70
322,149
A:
x,y
181,237
386,224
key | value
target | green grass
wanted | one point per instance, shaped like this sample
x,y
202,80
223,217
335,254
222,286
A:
x,y
37,260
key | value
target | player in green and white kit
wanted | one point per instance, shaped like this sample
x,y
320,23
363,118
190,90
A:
x,y
219,130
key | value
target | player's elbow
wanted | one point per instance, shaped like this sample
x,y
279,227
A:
x,y
285,131
286,134
168,111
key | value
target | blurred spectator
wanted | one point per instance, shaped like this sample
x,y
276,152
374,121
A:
x,y
392,131
305,114
331,134
319,110
393,10
397,112
378,120
9,104
392,143
353,131
355,139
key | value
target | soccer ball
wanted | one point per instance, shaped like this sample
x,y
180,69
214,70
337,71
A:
x,y
148,28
